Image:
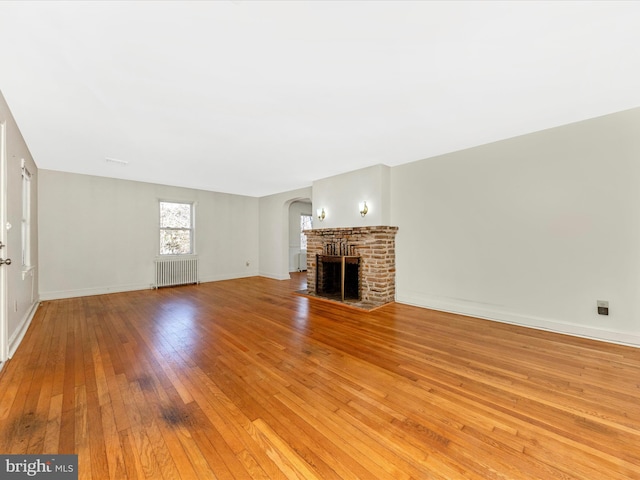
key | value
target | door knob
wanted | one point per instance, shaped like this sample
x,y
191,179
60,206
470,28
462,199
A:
x,y
5,262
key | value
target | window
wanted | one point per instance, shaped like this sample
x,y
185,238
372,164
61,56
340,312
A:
x,y
176,228
26,216
306,223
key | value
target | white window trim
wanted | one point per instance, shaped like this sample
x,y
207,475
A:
x,y
305,215
192,229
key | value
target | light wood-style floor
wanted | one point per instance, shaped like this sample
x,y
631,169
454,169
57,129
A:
x,y
244,379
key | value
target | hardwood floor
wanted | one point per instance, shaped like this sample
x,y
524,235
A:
x,y
243,379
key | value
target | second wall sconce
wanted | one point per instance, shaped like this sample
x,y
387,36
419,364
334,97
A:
x,y
321,214
363,208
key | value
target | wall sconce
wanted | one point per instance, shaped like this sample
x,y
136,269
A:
x,y
363,208
321,214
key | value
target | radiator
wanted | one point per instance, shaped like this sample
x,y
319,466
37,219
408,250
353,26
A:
x,y
302,261
176,271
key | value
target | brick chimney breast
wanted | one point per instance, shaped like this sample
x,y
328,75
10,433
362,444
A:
x,y
375,246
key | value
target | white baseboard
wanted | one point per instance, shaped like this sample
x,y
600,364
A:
x,y
86,292
275,276
611,336
229,276
20,332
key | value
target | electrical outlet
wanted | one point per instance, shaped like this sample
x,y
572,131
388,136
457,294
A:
x,y
603,307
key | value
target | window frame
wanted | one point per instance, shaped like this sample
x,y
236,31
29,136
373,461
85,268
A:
x,y
190,229
303,237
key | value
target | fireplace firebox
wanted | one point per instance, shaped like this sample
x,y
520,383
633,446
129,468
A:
x,y
338,276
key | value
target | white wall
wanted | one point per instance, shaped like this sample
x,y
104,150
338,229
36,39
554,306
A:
x,y
100,235
274,232
532,230
340,195
296,209
22,293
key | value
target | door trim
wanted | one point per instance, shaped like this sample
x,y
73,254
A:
x,y
4,331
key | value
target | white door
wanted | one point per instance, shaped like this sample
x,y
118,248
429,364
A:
x,y
4,346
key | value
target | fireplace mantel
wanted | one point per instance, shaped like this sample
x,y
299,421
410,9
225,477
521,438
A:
x,y
375,246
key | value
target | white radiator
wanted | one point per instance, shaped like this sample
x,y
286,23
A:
x,y
302,261
180,270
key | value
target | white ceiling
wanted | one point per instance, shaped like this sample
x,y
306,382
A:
x,y
261,97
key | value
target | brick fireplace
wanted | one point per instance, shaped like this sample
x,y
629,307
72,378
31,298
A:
x,y
371,248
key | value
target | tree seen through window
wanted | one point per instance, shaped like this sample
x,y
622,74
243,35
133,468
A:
x,y
176,228
306,223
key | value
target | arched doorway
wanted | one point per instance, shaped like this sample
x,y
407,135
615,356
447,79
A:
x,y
299,212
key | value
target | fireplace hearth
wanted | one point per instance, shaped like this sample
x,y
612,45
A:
x,y
355,265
